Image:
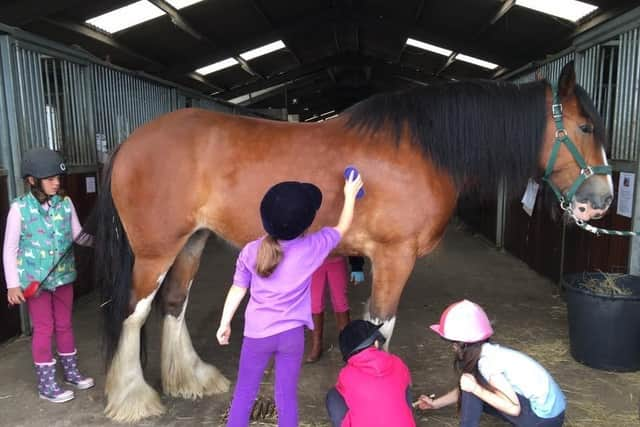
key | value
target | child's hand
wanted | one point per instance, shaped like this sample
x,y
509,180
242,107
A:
x,y
223,334
352,186
356,277
15,296
468,383
426,402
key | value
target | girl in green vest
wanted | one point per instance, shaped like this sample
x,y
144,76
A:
x,y
41,226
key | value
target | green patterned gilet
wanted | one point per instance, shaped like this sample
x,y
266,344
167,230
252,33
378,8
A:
x,y
45,235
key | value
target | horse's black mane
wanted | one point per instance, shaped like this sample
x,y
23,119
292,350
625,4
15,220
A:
x,y
476,130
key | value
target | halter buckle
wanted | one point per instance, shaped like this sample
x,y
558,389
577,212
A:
x,y
587,172
556,111
561,133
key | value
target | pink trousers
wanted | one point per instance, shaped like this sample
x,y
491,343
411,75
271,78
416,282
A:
x,y
334,272
51,312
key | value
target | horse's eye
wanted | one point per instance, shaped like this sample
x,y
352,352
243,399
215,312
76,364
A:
x,y
586,128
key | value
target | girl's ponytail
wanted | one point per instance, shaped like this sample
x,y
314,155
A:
x,y
269,256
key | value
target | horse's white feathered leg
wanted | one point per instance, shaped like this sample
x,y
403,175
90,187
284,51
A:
x,y
386,329
184,374
129,397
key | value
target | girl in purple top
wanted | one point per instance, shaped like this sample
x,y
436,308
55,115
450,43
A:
x,y
277,269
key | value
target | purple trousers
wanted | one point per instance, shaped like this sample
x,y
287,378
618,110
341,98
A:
x,y
288,349
51,312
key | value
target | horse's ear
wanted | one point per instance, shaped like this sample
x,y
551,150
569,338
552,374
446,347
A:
x,y
567,80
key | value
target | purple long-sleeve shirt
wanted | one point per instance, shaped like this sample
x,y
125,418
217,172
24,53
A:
x,y
12,241
282,301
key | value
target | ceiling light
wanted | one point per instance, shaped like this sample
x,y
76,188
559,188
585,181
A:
x,y
446,52
480,62
571,10
216,66
262,50
429,47
133,14
125,17
181,4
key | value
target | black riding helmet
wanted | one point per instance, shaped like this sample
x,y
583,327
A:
x,y
42,163
357,336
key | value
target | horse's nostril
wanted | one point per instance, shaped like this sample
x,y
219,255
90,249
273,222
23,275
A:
x,y
582,209
608,200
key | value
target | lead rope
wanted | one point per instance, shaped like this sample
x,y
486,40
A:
x,y
593,229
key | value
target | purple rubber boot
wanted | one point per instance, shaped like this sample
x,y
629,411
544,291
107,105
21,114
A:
x,y
48,387
72,375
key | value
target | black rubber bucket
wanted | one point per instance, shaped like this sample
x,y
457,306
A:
x,y
604,330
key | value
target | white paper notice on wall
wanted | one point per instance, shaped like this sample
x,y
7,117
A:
x,y
625,194
529,197
90,183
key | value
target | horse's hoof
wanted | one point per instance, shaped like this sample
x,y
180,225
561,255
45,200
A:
x,y
202,380
138,403
215,382
313,357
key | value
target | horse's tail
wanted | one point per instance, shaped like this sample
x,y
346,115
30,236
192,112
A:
x,y
114,263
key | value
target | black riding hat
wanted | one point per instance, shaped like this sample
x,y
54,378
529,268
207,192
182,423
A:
x,y
42,163
357,336
289,208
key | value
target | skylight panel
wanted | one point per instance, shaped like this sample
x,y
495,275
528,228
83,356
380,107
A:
x,y
479,62
446,52
181,4
127,16
216,66
429,47
572,10
262,50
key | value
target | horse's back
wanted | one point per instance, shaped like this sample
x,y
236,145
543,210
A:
x,y
213,168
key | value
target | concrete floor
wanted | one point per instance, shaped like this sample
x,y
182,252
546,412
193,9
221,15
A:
x,y
527,313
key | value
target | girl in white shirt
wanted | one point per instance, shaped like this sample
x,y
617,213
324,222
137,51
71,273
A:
x,y
494,379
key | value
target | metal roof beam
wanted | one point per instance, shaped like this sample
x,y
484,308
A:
x,y
260,9
507,5
182,24
322,66
100,37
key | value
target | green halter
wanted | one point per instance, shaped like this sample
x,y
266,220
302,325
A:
x,y
586,171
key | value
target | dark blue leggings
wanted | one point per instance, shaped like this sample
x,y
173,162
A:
x,y
472,408
337,407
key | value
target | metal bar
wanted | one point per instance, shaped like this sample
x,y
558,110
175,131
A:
x,y
32,82
58,109
625,98
609,115
618,119
636,95
108,103
632,91
66,106
73,108
51,125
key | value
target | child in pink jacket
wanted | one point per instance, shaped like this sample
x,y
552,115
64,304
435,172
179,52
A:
x,y
373,389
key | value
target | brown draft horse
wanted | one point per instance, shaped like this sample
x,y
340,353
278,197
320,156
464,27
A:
x,y
193,172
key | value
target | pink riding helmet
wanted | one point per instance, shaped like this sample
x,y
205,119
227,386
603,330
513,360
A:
x,y
464,321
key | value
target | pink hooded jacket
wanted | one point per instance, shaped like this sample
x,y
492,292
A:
x,y
374,386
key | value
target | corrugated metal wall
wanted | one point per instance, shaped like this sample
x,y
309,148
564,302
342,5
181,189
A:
x,y
551,70
122,102
54,111
625,131
596,73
